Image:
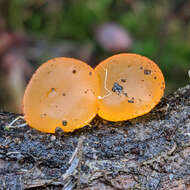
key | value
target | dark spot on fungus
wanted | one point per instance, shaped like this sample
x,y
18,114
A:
x,y
51,92
133,98
90,73
49,72
125,93
131,101
43,115
74,71
155,78
63,94
64,123
147,72
117,88
123,80
85,91
141,68
142,80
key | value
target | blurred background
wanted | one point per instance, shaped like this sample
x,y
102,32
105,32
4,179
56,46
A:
x,y
33,31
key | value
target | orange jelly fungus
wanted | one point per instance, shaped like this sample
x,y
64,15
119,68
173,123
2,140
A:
x,y
130,86
62,93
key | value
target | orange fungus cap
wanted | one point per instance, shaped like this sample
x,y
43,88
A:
x,y
130,86
62,93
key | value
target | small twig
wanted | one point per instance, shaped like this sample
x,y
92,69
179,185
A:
x,y
11,125
74,155
105,85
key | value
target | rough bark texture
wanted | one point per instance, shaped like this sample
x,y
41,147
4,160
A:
x,y
149,152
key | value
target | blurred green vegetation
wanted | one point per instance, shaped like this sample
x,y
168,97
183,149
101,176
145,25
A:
x,y
160,29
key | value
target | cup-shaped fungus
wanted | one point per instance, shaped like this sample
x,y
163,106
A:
x,y
62,93
130,86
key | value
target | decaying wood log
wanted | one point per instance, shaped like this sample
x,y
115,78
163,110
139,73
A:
x,y
149,152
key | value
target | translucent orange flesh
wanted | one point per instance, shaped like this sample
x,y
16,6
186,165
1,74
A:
x,y
62,93
131,85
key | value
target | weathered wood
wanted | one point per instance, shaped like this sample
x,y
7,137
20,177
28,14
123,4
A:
x,y
149,152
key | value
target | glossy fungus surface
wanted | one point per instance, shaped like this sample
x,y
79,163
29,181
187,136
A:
x,y
131,85
62,93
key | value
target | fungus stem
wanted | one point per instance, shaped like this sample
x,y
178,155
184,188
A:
x,y
11,125
105,85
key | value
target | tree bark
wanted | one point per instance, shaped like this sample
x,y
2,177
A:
x,y
149,152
